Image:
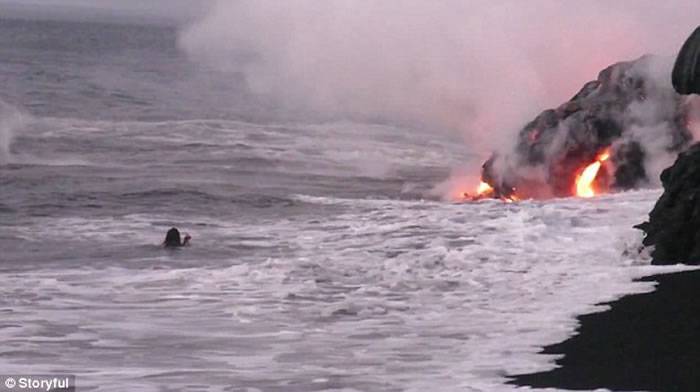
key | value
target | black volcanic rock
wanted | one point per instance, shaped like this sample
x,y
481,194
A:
x,y
673,227
629,102
686,71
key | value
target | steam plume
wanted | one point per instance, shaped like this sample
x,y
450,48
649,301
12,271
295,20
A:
x,y
480,67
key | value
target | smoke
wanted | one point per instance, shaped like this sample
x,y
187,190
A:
x,y
10,119
649,122
479,67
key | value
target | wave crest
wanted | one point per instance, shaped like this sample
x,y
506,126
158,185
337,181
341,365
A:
x,y
11,119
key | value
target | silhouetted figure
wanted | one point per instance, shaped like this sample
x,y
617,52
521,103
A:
x,y
172,239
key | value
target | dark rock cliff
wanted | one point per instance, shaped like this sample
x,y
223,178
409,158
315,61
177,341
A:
x,y
673,227
628,101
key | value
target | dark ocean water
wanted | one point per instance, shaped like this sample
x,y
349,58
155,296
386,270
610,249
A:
x,y
113,120
320,261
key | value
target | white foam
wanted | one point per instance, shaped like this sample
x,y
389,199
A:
x,y
402,294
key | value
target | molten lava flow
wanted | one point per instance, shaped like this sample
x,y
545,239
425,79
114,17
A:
x,y
483,189
486,191
584,181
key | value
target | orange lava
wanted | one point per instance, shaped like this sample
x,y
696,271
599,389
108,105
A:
x,y
486,191
584,181
483,189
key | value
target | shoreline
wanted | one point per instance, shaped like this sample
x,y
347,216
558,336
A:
x,y
644,342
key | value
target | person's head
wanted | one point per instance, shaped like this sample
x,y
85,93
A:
x,y
172,238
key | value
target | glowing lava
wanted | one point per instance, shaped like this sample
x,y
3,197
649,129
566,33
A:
x,y
584,181
486,191
483,189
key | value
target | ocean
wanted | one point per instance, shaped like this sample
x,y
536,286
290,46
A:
x,y
321,257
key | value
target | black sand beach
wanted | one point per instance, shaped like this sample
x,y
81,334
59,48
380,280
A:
x,y
645,342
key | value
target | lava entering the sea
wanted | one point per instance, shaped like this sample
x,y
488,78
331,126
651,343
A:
x,y
486,191
585,182
590,180
597,142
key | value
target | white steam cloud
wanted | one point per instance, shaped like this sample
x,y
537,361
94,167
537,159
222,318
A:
x,y
644,118
480,67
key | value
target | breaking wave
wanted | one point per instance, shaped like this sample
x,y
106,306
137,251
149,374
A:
x,y
11,119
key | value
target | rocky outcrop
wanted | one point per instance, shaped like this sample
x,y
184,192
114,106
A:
x,y
673,227
686,71
628,102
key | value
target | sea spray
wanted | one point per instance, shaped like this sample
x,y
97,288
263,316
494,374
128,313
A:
x,y
11,119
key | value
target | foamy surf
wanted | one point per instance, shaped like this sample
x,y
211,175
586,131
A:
x,y
384,294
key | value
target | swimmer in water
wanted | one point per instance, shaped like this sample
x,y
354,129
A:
x,y
172,239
